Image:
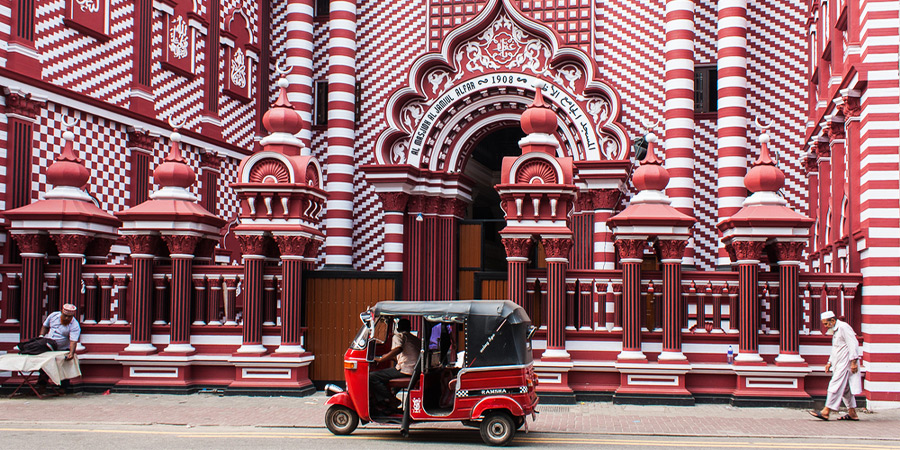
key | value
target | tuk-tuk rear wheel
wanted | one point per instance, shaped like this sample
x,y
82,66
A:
x,y
341,420
497,428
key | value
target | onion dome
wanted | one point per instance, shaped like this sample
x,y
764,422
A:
x,y
174,171
538,117
764,176
68,169
651,175
281,117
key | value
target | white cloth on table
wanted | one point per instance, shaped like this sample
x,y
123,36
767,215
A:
x,y
54,364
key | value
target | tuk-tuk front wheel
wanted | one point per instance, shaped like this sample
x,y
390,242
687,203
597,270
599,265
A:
x,y
341,420
497,428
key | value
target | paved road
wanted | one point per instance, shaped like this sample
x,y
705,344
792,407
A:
x,y
213,421
24,436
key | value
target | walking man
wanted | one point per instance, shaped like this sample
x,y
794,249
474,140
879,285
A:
x,y
843,363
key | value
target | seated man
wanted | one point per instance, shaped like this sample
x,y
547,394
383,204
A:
x,y
62,328
405,347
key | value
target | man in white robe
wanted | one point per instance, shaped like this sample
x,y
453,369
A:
x,y
844,365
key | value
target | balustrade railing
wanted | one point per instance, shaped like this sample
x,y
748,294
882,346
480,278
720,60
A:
x,y
709,301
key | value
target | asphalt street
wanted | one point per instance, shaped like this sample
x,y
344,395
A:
x,y
29,436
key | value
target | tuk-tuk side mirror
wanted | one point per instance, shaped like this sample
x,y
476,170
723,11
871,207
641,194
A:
x,y
531,330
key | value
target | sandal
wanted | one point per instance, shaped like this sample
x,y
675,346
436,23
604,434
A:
x,y
818,415
847,417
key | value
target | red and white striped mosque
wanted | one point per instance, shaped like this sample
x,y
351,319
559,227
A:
x,y
222,186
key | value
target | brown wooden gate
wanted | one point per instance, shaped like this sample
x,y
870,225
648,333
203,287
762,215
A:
x,y
333,303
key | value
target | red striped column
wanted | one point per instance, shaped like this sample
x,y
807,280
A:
x,y
789,254
748,254
181,250
557,250
214,300
299,58
394,205
582,225
431,243
413,270
679,107
672,252
160,305
518,249
253,247
198,306
292,249
631,255
32,248
732,112
605,201
13,297
71,254
106,285
142,290
451,210
230,296
341,132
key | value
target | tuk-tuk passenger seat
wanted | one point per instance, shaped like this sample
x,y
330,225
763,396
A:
x,y
399,383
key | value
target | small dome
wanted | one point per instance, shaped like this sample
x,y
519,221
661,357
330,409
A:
x,y
538,117
764,175
68,169
174,171
651,175
281,117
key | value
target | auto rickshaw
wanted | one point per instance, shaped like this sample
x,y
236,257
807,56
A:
x,y
491,385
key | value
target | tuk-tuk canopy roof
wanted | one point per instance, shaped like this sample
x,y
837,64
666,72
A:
x,y
491,308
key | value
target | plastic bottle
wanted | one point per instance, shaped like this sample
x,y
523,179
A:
x,y
730,355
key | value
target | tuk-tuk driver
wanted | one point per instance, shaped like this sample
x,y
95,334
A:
x,y
405,347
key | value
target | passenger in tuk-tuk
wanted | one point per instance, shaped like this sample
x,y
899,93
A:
x,y
405,347
442,345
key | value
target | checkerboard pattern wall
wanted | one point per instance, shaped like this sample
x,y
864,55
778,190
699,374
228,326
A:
x,y
100,142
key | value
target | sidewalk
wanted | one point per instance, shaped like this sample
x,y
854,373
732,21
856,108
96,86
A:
x,y
308,412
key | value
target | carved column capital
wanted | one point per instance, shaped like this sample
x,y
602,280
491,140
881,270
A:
x,y
789,252
312,249
252,244
671,251
453,207
144,244
181,244
432,205
31,243
518,247
292,245
631,249
393,201
22,105
823,150
74,244
607,198
557,248
138,139
747,251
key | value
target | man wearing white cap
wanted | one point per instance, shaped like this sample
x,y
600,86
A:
x,y
845,380
62,328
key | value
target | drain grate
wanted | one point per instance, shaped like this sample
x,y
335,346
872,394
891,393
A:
x,y
554,409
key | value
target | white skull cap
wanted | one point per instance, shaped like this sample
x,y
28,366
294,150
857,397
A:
x,y
827,315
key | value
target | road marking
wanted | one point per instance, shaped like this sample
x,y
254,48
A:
x,y
522,439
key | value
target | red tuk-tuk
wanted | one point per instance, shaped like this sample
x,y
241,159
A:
x,y
491,385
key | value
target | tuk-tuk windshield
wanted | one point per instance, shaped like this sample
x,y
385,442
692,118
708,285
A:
x,y
362,337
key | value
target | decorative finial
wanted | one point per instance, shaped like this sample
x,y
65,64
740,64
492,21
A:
x,y
538,117
764,176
